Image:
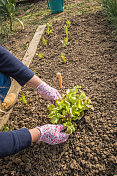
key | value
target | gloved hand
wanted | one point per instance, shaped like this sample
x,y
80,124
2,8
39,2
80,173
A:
x,y
48,92
52,134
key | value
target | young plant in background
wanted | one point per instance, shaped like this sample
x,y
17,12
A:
x,y
44,41
7,12
5,128
51,25
69,108
65,42
41,55
66,29
68,23
63,58
49,28
23,99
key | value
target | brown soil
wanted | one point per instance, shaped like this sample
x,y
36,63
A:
x,y
18,42
91,62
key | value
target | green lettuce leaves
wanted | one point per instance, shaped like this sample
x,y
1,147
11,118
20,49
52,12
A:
x,y
69,108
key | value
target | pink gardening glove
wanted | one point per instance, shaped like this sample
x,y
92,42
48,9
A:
x,y
52,134
48,92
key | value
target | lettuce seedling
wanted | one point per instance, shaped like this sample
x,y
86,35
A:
x,y
63,57
41,55
44,41
49,28
23,99
5,128
66,29
65,42
51,25
68,23
69,108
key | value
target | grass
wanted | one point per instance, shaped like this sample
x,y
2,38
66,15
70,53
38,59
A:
x,y
110,8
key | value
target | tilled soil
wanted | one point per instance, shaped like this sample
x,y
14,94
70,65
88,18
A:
x,y
91,62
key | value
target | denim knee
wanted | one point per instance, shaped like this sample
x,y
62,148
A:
x,y
5,83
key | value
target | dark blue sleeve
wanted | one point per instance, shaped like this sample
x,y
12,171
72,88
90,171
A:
x,y
12,142
13,67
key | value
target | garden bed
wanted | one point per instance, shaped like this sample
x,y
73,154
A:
x,y
91,63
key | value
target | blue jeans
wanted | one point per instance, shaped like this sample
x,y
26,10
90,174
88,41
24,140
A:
x,y
5,83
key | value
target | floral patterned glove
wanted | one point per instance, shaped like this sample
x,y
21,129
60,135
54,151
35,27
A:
x,y
48,92
52,134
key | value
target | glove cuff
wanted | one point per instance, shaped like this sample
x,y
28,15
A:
x,y
40,86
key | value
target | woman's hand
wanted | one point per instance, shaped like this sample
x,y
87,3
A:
x,y
52,134
48,92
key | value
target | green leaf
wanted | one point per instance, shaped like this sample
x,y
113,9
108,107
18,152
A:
x,y
40,55
73,99
77,113
79,104
54,120
66,29
82,95
59,104
50,107
63,58
22,24
5,128
23,99
48,30
64,112
75,117
44,41
68,23
70,127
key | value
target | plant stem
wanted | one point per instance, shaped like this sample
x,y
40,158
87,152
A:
x,y
10,19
